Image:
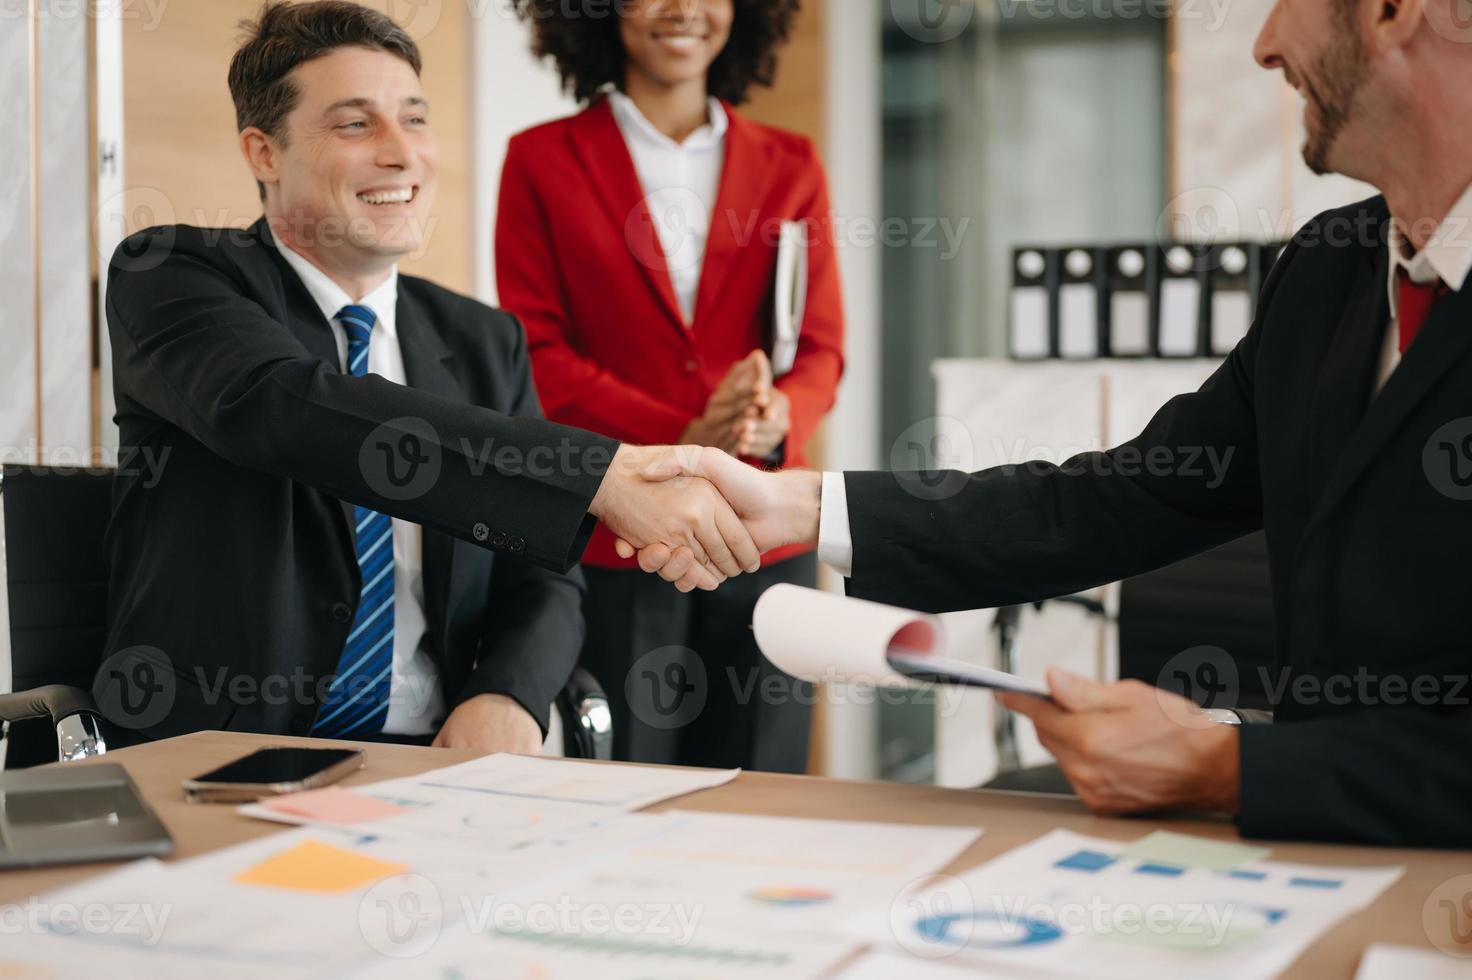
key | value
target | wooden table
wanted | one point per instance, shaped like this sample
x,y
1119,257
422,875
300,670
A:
x,y
1009,820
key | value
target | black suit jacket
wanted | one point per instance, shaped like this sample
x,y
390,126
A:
x,y
1367,504
234,574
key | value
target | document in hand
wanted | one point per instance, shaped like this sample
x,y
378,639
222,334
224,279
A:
x,y
832,638
790,298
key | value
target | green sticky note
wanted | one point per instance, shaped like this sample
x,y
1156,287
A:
x,y
1186,851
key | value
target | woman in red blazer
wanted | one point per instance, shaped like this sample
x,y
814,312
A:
x,y
638,242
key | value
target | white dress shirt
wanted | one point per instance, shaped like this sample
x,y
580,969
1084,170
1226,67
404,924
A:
x,y
1447,256
415,704
680,182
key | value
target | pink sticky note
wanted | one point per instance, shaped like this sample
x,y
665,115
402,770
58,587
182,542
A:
x,y
333,804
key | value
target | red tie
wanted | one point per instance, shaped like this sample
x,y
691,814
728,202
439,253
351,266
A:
x,y
1415,302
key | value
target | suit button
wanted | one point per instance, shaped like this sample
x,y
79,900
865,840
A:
x,y
518,546
301,725
498,540
341,612
691,366
481,532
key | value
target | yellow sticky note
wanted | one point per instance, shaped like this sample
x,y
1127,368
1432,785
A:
x,y
313,866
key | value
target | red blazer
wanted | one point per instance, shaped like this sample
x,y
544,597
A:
x,y
578,259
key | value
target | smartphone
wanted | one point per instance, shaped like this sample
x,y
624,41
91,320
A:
x,y
271,772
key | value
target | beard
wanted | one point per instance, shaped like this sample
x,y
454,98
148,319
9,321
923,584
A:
x,y
1339,73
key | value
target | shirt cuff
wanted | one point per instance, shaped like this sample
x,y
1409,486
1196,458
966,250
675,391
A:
x,y
835,540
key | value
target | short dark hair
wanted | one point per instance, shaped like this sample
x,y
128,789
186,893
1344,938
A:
x,y
284,35
585,45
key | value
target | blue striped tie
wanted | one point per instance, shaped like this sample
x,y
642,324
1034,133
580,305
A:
x,y
357,702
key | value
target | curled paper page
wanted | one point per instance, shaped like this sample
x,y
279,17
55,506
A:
x,y
823,637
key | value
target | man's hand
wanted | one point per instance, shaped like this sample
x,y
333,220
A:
x,y
1129,747
491,723
776,508
650,498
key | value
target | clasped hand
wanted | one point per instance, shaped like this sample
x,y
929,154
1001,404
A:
x,y
696,516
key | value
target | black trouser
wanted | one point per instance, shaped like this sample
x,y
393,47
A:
x,y
685,680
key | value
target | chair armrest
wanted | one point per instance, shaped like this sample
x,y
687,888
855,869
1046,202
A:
x,y
587,723
54,701
73,715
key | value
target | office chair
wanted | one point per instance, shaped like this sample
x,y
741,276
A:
x,y
1221,599
53,623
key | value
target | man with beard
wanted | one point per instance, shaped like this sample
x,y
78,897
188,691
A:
x,y
1346,414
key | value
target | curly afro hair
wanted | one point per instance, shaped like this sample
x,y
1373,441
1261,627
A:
x,y
585,44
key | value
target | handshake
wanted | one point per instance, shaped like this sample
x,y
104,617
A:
x,y
697,516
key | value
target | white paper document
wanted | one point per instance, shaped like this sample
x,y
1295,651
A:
x,y
1383,961
790,295
1070,905
828,638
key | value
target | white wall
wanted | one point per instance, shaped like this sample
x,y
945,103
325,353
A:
x,y
512,91
1237,134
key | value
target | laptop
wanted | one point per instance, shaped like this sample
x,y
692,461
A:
x,y
69,814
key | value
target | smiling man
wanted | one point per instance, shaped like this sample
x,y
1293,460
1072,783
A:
x,y
1346,413
365,529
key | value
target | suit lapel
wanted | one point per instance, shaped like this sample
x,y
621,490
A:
x,y
600,149
736,220
303,315
1443,341
304,319
427,367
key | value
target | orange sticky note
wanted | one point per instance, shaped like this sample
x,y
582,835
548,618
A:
x,y
333,804
313,866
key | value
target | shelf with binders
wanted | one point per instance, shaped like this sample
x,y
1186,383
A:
x,y
1171,300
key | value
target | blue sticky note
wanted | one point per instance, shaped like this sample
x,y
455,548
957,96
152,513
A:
x,y
1327,883
1085,861
1168,870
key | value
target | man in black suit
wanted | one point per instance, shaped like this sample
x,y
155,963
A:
x,y
1346,417
361,526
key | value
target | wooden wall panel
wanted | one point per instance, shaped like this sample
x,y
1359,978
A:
x,y
799,99
182,161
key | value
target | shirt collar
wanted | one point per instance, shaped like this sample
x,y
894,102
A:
x,y
1447,255
331,298
633,122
